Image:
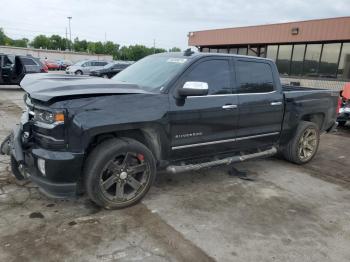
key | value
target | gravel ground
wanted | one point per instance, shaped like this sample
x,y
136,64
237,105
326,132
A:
x,y
283,213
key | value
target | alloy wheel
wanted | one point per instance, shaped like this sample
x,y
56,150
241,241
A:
x,y
125,177
307,144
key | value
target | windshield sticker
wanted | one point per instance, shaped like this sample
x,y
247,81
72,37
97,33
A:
x,y
177,60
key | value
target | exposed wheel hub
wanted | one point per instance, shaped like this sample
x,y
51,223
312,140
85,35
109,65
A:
x,y
123,175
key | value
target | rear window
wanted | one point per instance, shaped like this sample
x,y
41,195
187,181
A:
x,y
98,63
28,61
254,77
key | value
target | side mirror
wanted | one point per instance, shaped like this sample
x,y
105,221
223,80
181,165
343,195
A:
x,y
193,89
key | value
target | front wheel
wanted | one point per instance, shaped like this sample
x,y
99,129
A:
x,y
303,146
79,73
119,173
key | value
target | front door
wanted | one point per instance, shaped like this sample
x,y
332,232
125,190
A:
x,y
204,125
260,104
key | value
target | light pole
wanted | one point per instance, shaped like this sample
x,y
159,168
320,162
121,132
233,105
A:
x,y
70,33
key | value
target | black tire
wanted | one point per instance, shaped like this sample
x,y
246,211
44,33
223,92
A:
x,y
79,72
109,175
341,123
15,169
295,151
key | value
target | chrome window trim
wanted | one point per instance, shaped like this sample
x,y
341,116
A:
x,y
223,141
238,94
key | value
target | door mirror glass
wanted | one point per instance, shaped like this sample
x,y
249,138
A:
x,y
194,89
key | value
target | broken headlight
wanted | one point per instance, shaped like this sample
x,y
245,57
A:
x,y
48,117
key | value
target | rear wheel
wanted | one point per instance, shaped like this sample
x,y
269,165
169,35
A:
x,y
303,146
119,173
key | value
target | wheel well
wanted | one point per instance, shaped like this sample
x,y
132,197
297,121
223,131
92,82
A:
x,y
317,118
144,136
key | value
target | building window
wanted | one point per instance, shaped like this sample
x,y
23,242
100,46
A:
x,y
242,51
253,51
312,58
272,52
223,50
205,50
329,60
283,60
213,50
233,50
344,62
296,67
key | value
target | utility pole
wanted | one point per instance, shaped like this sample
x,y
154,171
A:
x,y
70,33
66,39
105,37
154,46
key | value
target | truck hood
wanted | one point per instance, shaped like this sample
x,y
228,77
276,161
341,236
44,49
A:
x,y
45,87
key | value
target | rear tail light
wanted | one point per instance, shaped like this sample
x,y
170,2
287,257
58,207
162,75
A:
x,y
44,69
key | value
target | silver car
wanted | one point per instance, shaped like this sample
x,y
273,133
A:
x,y
85,67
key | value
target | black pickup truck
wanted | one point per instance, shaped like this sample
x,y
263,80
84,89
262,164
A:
x,y
174,111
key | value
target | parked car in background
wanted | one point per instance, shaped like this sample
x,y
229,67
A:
x,y
51,65
111,69
63,64
85,67
344,107
13,68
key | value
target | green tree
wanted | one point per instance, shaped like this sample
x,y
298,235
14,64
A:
x,y
80,46
175,49
20,42
2,37
91,47
99,48
56,42
111,48
40,41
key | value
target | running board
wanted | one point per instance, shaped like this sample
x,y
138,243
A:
x,y
225,161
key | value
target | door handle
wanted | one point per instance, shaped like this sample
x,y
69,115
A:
x,y
229,106
276,103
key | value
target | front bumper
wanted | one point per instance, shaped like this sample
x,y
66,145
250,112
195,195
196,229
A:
x,y
62,168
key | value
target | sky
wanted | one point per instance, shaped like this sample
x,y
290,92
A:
x,y
129,22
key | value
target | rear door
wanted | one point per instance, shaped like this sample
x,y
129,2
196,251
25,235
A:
x,y
7,68
204,125
260,104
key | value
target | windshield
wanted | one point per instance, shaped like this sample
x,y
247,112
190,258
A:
x,y
109,65
152,72
79,63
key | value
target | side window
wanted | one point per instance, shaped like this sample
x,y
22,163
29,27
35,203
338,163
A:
x,y
102,63
7,61
27,61
254,77
216,73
